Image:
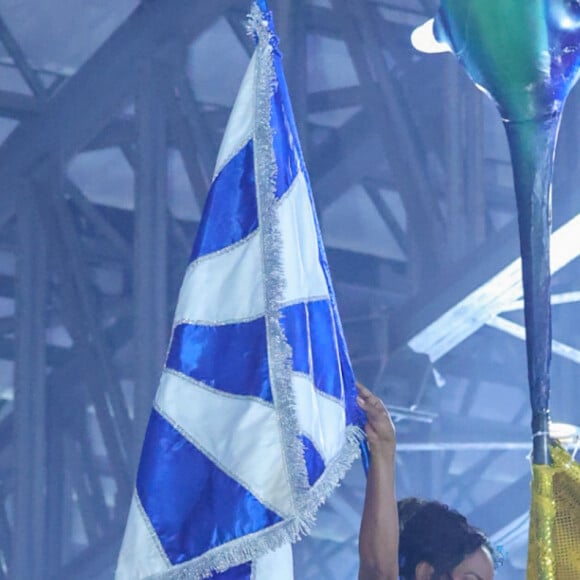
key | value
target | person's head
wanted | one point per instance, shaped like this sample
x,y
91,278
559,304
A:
x,y
437,543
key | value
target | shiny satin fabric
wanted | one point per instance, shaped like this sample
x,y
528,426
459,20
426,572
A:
x,y
231,202
192,510
231,357
235,219
227,473
311,333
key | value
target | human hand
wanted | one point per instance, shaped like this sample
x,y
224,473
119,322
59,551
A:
x,y
379,428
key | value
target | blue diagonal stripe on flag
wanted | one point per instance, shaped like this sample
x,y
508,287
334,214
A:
x,y
255,420
195,349
231,202
192,510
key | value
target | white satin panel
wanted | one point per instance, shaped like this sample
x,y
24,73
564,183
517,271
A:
x,y
140,556
240,127
320,418
302,270
236,281
276,565
219,425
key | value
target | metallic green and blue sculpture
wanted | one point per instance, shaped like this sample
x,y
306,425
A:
x,y
525,54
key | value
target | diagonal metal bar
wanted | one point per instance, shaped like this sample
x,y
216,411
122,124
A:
x,y
396,136
71,246
235,19
327,100
387,216
15,51
206,145
117,133
345,158
519,331
83,326
18,106
559,298
485,289
196,170
95,217
84,501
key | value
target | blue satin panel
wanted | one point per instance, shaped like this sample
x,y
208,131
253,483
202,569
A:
x,y
232,358
191,503
243,572
314,463
310,331
290,159
286,144
295,324
230,212
354,414
326,370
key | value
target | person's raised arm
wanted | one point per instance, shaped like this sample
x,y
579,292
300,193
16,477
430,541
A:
x,y
379,532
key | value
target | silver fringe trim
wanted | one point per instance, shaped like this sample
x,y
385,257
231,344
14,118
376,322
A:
x,y
306,500
279,351
253,546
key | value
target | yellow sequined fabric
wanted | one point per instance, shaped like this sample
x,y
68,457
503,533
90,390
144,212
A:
x,y
554,543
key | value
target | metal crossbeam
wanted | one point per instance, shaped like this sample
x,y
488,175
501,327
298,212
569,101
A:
x,y
14,49
485,290
519,331
18,106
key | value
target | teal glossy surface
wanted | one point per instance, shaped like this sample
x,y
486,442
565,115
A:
x,y
525,54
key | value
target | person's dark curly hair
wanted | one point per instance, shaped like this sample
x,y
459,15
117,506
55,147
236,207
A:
x,y
431,532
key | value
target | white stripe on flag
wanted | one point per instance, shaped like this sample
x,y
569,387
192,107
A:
x,y
277,564
223,271
219,424
240,126
235,278
302,270
321,418
140,556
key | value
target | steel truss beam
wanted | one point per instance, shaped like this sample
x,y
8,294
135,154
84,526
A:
x,y
487,287
32,79
150,243
105,81
18,106
28,541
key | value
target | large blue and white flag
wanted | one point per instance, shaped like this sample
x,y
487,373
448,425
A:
x,y
255,421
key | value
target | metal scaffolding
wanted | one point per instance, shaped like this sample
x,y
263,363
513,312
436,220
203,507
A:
x,y
88,283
